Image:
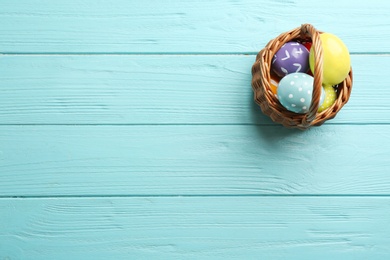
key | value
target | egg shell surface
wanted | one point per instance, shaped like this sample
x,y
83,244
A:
x,y
274,82
290,58
330,97
336,59
295,92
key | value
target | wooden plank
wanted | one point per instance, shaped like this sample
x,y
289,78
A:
x,y
195,228
120,26
180,89
193,160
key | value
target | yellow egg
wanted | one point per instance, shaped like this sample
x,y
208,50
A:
x,y
330,97
336,59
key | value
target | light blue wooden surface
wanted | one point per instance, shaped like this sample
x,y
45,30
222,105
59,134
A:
x,y
128,131
193,26
160,89
196,228
194,160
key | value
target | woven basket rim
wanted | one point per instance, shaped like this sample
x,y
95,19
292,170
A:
x,y
269,104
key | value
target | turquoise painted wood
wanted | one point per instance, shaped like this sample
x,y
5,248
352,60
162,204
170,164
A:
x,y
349,228
194,160
196,26
128,131
160,89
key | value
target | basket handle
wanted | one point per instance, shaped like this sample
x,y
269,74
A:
x,y
308,30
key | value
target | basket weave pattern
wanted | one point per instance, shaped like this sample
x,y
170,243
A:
x,y
267,101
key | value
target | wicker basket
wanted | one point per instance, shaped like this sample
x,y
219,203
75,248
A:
x,y
270,105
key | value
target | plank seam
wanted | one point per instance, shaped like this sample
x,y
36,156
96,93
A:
x,y
190,124
193,195
160,53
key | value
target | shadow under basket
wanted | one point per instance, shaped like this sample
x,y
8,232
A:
x,y
267,101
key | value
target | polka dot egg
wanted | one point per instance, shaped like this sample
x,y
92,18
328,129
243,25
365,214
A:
x,y
330,97
295,92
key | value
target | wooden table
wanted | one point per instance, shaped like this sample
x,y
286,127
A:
x,y
128,131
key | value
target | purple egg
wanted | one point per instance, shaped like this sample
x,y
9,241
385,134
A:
x,y
291,57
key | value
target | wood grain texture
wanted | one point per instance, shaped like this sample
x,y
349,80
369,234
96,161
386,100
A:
x,y
128,131
178,89
193,160
197,26
195,228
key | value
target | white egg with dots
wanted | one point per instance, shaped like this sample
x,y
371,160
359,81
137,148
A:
x,y
295,92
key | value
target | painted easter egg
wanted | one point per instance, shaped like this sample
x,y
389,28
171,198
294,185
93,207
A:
x,y
336,59
307,45
274,82
295,92
330,97
291,57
